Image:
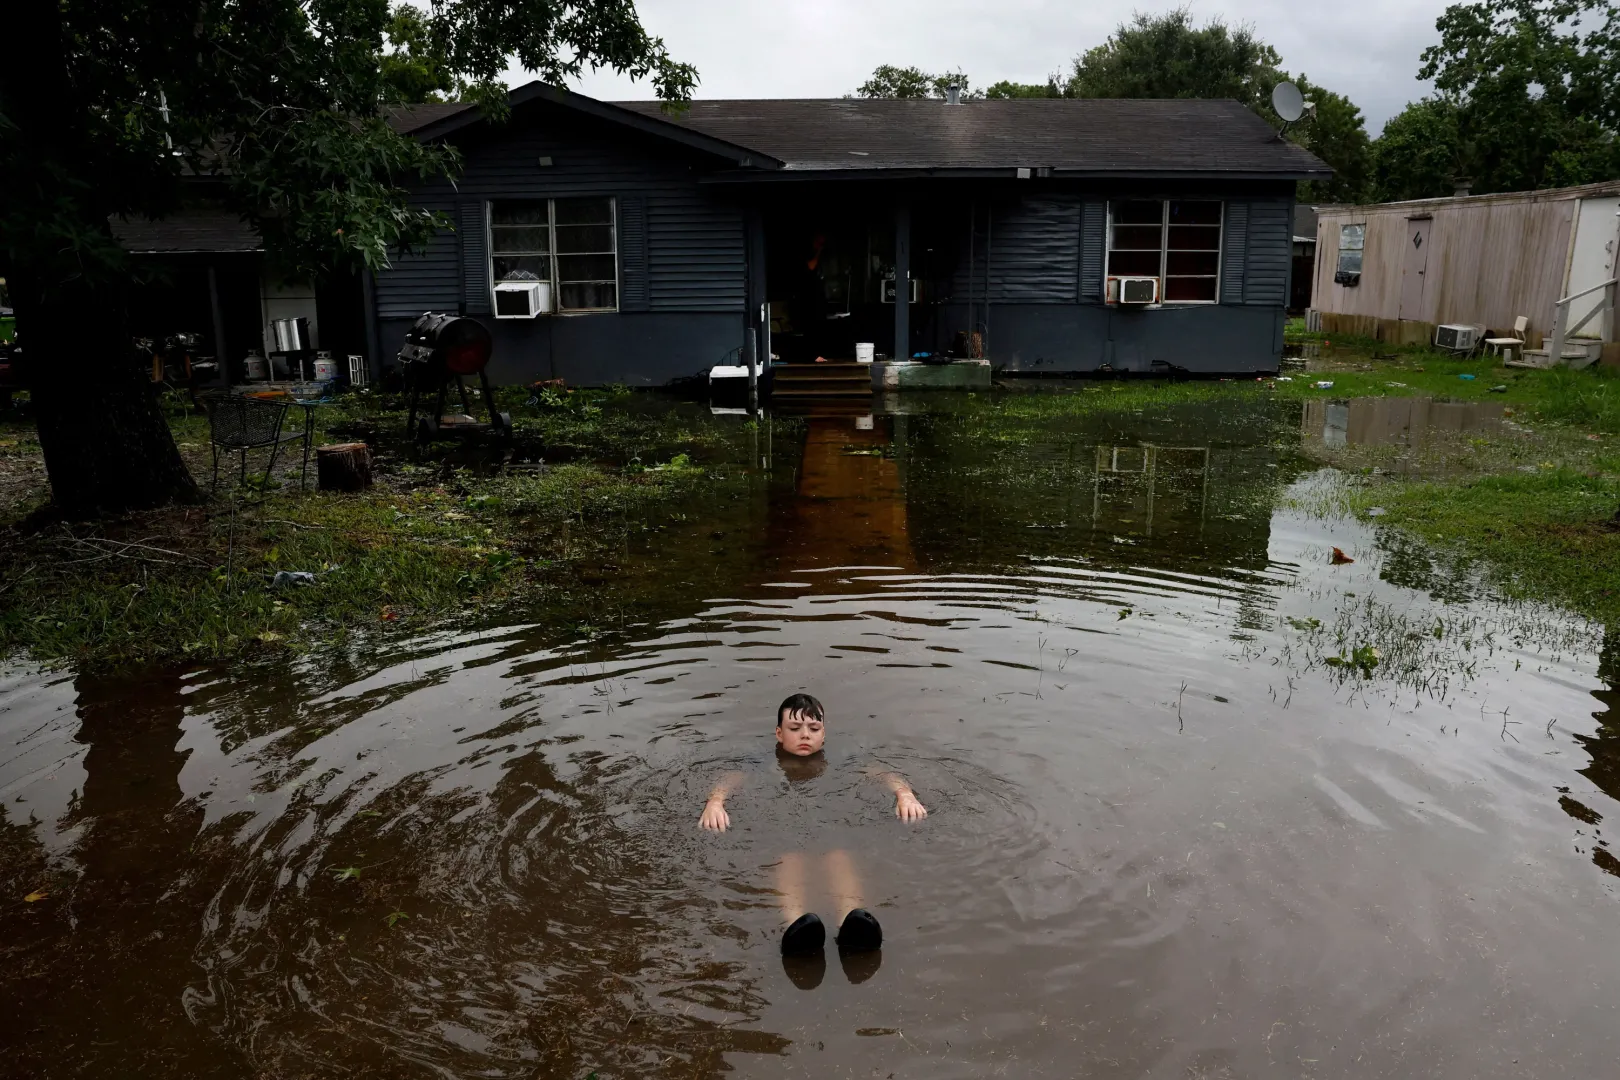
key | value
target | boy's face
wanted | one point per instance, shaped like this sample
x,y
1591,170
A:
x,y
800,734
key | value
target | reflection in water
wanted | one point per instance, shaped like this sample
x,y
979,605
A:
x,y
1166,837
849,507
1394,421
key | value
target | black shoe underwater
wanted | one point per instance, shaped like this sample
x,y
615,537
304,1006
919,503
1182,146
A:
x,y
806,935
860,932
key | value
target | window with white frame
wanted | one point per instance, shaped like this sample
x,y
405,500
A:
x,y
1352,243
1177,241
571,244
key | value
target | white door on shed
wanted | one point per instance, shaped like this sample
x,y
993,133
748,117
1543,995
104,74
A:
x,y
1413,266
1597,238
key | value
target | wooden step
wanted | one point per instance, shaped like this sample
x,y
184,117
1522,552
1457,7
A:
x,y
820,395
1575,355
835,380
821,372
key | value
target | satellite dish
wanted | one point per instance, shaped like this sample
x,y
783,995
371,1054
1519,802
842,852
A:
x,y
1288,101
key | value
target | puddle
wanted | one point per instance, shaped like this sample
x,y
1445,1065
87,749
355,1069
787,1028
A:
x,y
1200,802
1410,422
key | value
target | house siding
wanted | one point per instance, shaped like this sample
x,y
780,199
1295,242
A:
x,y
427,280
1035,256
695,258
1267,260
1033,268
1045,311
681,253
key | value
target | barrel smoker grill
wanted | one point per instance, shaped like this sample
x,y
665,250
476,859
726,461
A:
x,y
441,351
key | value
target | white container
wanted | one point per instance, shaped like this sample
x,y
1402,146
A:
x,y
864,351
326,368
255,367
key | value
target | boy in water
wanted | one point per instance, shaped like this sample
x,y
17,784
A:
x,y
800,735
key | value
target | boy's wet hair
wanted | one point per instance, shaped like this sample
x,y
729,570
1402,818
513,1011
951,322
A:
x,y
803,704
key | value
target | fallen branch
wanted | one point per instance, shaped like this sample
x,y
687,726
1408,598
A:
x,y
124,547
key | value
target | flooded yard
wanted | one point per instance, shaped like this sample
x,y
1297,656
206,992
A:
x,y
1203,799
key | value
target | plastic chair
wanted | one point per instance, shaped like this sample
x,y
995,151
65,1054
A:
x,y
239,424
1501,345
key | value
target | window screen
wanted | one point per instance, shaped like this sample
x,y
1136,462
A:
x,y
1352,241
587,254
1175,240
572,243
520,241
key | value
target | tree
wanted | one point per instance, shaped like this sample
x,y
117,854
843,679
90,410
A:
x,y
1005,89
1335,132
278,103
413,70
889,81
1166,56
1418,155
1536,89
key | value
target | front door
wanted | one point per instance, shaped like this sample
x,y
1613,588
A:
x,y
1413,267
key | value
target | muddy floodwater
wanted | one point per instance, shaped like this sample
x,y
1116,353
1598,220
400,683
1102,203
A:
x,y
1201,802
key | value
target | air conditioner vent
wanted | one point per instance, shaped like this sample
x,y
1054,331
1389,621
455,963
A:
x,y
522,299
1138,290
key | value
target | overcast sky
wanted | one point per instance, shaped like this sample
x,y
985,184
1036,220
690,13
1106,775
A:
x,y
1365,49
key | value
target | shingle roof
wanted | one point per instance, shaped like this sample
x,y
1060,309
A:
x,y
408,118
187,230
1096,135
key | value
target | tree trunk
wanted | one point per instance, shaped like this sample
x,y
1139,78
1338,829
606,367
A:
x,y
343,467
108,448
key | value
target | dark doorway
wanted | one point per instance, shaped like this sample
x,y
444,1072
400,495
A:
x,y
830,278
824,268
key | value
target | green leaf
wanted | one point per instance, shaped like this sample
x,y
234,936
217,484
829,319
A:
x,y
348,873
393,917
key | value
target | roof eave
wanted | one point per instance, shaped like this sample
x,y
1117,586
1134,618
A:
x,y
602,110
1006,173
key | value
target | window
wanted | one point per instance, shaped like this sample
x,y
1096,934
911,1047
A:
x,y
1352,242
569,243
1175,240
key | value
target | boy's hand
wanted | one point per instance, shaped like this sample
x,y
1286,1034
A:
x,y
907,808
715,817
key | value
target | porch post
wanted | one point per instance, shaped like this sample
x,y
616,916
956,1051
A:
x,y
902,282
221,353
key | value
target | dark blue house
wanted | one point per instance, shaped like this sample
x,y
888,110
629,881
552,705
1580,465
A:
x,y
623,243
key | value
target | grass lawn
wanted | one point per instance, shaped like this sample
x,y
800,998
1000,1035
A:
x,y
447,537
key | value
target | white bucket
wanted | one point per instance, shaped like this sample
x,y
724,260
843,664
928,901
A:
x,y
864,350
256,370
326,369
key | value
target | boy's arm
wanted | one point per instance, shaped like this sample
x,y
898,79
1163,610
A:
x,y
907,807
714,816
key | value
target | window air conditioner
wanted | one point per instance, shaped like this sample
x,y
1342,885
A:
x,y
1138,290
522,299
1456,338
888,290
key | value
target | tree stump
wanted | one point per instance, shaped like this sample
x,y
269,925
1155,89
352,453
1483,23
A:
x,y
343,466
